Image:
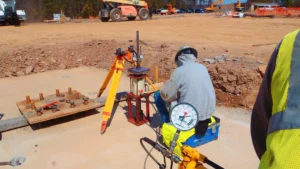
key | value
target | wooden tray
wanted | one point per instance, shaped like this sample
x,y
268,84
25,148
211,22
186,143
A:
x,y
63,106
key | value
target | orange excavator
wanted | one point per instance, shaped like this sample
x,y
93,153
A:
x,y
212,6
169,11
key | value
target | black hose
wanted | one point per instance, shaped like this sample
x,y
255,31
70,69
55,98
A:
x,y
171,165
149,141
149,154
212,164
165,161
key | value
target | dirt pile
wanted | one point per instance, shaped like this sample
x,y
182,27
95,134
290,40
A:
x,y
236,85
236,81
97,53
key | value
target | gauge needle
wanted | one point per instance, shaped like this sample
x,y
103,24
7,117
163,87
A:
x,y
185,113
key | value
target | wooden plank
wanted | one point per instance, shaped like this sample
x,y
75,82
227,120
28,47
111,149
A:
x,y
9,124
13,123
264,44
158,86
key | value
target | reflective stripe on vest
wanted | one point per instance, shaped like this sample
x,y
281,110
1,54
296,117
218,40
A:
x,y
285,85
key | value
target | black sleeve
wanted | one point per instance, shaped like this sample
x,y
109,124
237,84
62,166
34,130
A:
x,y
262,109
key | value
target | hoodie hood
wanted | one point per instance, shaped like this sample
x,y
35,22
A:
x,y
185,58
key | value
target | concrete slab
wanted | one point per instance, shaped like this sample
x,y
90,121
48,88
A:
x,y
77,144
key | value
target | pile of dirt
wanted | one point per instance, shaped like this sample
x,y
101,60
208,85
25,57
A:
x,y
97,53
236,83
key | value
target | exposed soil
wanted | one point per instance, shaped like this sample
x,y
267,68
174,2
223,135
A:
x,y
235,83
43,47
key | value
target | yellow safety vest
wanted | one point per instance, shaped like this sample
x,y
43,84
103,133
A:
x,y
283,139
168,131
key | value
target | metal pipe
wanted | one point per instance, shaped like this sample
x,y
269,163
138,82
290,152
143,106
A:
x,y
138,49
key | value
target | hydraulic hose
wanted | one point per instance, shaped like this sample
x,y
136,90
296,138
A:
x,y
212,164
153,144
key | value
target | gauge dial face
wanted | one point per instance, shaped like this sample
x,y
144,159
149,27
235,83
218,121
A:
x,y
184,116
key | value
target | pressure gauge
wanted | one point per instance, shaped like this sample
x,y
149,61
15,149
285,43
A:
x,y
184,116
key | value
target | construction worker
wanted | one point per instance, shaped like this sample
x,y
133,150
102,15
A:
x,y
190,83
275,121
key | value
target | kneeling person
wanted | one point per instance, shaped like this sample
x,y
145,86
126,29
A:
x,y
189,83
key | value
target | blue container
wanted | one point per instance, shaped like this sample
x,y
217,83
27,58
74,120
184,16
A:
x,y
211,134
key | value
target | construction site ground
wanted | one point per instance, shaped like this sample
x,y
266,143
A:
x,y
76,142
33,59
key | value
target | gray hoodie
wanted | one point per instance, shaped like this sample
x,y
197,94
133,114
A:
x,y
191,83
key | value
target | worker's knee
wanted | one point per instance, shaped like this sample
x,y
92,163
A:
x,y
157,96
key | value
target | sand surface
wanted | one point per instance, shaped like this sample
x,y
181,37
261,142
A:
x,y
77,144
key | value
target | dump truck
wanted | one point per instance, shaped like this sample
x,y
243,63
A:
x,y
116,9
9,15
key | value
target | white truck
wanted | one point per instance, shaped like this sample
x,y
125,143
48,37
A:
x,y
9,15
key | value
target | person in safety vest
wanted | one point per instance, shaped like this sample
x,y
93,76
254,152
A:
x,y
190,82
275,121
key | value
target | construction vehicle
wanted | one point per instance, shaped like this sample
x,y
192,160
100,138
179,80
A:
x,y
9,15
239,7
212,6
116,9
169,11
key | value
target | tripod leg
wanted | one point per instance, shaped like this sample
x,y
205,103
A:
x,y
149,81
108,77
112,94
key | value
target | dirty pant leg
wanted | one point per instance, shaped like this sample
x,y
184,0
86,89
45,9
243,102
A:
x,y
162,108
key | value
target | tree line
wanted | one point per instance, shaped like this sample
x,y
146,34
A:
x,y
44,9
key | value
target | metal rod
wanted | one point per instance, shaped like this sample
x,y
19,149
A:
x,y
138,49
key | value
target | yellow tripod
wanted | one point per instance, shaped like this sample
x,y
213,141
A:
x,y
115,73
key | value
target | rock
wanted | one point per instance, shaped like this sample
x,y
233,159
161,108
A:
x,y
79,60
221,61
236,59
42,52
219,58
72,53
210,61
163,46
20,73
7,74
225,55
53,59
62,66
229,89
231,78
224,79
228,59
260,61
226,50
221,70
29,69
14,70
28,62
261,70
